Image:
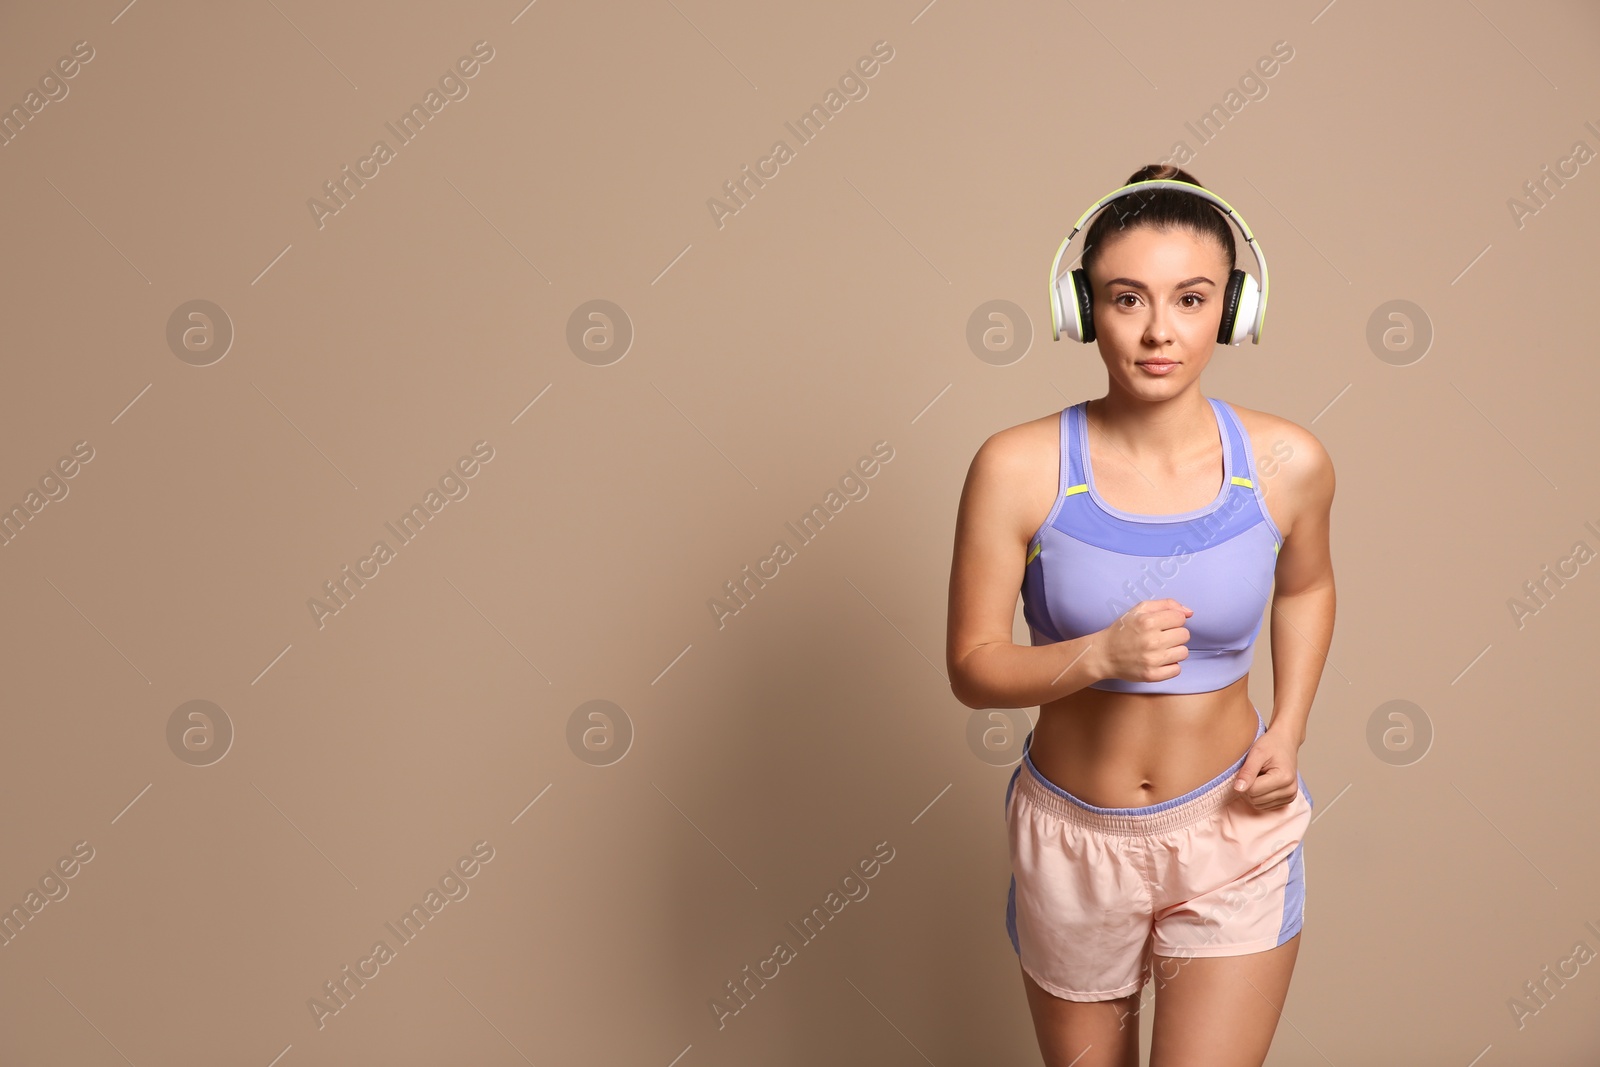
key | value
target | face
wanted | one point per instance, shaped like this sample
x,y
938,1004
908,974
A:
x,y
1157,307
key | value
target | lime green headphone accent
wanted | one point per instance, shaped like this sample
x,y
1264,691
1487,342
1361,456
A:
x,y
1244,304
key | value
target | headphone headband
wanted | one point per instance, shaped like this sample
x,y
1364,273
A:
x,y
1182,187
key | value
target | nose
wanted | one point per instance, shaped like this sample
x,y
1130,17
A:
x,y
1157,328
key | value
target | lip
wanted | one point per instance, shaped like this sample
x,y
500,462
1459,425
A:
x,y
1158,368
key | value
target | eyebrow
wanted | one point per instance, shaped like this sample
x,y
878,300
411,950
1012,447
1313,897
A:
x,y
1181,285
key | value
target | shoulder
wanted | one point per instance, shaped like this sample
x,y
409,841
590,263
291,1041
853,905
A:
x,y
1018,445
1291,462
1017,453
1281,444
1016,470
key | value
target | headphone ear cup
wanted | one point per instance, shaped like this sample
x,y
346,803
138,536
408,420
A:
x,y
1249,303
1230,307
1083,297
1068,309
1062,301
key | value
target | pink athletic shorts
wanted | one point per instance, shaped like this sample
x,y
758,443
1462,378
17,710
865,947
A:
x,y
1095,891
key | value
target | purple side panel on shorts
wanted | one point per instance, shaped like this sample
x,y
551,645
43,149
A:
x,y
1011,896
1011,916
1294,897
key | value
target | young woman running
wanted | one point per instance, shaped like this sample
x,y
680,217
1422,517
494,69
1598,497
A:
x,y
1155,822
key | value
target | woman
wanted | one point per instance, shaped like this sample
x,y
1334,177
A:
x,y
1155,821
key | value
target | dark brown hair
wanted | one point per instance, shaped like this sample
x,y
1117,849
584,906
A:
x,y
1161,209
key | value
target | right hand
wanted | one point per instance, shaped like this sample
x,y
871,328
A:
x,y
1147,642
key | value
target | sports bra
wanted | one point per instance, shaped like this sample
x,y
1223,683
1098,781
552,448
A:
x,y
1090,562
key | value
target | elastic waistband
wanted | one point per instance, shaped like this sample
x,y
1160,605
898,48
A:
x,y
1152,819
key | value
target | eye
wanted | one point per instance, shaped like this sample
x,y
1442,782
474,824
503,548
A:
x,y
1117,300
1198,299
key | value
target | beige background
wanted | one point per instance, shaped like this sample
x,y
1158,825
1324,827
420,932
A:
x,y
768,756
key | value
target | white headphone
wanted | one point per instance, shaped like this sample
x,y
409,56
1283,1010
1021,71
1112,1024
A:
x,y
1244,305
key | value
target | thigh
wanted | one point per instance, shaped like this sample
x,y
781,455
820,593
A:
x,y
1219,1011
1100,1033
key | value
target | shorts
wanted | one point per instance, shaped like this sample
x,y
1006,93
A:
x,y
1096,891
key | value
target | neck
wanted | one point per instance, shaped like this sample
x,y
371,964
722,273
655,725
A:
x,y
1168,430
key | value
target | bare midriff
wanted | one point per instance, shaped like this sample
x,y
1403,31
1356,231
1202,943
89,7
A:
x,y
1129,750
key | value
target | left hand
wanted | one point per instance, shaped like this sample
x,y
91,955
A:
x,y
1270,775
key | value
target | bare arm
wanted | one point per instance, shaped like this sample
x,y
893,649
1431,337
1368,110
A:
x,y
987,669
1303,599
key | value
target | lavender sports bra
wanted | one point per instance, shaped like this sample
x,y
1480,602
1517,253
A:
x,y
1090,562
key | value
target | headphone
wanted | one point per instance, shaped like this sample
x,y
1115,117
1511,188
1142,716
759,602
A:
x,y
1244,303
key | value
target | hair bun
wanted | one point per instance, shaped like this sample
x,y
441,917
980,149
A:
x,y
1163,172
